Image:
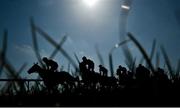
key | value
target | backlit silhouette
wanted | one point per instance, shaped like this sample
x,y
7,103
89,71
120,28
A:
x,y
50,64
52,79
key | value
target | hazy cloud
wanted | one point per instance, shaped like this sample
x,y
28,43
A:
x,y
29,51
25,49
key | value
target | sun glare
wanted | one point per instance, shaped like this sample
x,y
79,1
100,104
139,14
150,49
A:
x,y
90,3
125,7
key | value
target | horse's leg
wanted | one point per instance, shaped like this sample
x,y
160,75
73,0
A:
x,y
66,88
48,86
72,85
55,89
51,88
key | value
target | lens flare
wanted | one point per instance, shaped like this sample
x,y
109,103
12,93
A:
x,y
90,3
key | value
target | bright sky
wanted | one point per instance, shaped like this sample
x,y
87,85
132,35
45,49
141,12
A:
x,y
88,24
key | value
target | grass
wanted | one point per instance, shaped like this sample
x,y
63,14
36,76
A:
x,y
142,50
99,55
167,61
52,42
4,49
38,89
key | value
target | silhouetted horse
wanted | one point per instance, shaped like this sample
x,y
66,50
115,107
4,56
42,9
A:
x,y
108,82
93,78
90,78
52,79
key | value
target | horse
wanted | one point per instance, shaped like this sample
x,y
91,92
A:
x,y
108,81
53,79
93,78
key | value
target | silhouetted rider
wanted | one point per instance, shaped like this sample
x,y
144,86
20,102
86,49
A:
x,y
122,75
88,63
103,71
142,72
119,70
50,64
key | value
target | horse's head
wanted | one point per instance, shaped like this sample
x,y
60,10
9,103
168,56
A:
x,y
34,68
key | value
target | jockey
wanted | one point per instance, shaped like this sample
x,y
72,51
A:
x,y
103,71
50,64
88,63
